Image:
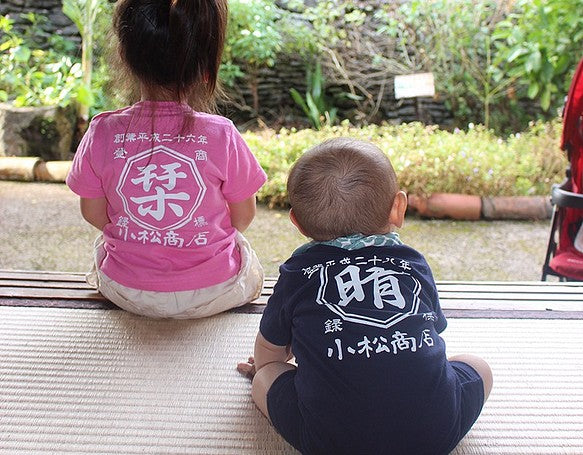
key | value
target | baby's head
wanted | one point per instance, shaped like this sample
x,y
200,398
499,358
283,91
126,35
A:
x,y
173,46
342,187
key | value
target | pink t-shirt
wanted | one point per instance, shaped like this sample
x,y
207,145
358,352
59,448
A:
x,y
167,173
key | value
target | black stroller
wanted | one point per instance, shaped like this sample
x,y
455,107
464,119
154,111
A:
x,y
564,257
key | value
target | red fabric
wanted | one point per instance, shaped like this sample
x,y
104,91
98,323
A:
x,y
573,111
572,143
569,263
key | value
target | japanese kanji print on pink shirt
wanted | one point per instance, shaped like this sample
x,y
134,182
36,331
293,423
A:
x,y
167,182
150,193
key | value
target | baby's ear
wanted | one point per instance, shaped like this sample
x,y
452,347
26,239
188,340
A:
x,y
294,220
398,210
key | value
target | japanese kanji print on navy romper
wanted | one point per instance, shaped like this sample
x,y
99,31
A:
x,y
372,372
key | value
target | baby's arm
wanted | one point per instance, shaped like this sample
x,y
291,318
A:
x,y
269,363
266,352
94,210
242,213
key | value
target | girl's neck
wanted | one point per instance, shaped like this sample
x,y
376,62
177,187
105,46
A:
x,y
158,94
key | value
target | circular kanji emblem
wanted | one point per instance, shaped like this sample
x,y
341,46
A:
x,y
161,188
352,292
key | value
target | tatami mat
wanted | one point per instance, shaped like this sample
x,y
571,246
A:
x,y
95,381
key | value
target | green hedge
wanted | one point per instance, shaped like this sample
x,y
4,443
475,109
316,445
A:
x,y
429,160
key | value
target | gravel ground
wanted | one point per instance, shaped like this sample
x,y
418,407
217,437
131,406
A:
x,y
41,229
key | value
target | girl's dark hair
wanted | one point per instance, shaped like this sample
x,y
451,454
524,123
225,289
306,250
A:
x,y
175,45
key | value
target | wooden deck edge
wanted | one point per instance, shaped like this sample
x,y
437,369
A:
x,y
459,299
254,308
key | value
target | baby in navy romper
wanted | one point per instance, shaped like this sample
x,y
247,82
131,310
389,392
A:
x,y
360,313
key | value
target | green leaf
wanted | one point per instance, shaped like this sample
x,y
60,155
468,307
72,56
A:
x,y
314,112
533,62
545,100
517,71
20,101
72,10
317,82
533,89
6,45
299,100
331,115
517,52
85,95
562,64
6,24
22,54
547,71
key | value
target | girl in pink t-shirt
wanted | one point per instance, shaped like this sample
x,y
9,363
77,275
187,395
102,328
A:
x,y
170,186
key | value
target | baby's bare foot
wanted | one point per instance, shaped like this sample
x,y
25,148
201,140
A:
x,y
247,369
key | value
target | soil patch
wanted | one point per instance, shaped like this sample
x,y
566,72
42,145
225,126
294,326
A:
x,y
41,229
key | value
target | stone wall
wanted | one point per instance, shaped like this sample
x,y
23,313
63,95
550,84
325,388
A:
x,y
51,9
276,106
45,131
269,92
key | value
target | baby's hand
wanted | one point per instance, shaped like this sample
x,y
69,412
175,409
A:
x,y
247,369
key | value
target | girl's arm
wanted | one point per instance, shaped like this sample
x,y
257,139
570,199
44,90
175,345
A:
x,y
242,213
94,210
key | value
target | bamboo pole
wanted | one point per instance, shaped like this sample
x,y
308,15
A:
x,y
18,168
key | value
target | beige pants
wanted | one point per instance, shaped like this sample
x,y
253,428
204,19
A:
x,y
199,303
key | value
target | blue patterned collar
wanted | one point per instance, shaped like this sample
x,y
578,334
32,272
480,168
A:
x,y
355,242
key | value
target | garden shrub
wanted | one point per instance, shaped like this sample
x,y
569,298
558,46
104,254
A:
x,y
252,37
429,160
453,40
489,57
539,44
32,73
258,33
39,68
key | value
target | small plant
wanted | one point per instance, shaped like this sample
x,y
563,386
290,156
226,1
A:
x,y
34,76
84,13
253,40
258,33
315,105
